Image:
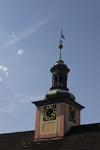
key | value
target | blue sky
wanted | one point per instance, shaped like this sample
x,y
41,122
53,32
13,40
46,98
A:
x,y
29,39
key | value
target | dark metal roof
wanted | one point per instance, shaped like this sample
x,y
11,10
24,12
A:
x,y
58,100
60,65
57,93
83,137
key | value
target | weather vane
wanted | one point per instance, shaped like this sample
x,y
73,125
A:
x,y
60,45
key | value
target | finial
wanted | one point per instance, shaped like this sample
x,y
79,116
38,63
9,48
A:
x,y
60,45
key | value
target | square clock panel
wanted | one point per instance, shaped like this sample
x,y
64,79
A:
x,y
72,114
49,113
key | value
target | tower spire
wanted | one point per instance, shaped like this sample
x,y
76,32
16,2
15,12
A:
x,y
60,45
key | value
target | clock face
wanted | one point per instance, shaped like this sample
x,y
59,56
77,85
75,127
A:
x,y
49,113
72,114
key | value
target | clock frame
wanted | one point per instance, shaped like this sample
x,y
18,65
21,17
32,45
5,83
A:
x,y
49,113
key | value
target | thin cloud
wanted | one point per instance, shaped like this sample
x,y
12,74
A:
x,y
0,79
28,32
36,98
3,68
10,108
13,34
7,73
18,102
20,52
25,100
6,110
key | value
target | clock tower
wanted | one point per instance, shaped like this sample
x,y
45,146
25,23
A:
x,y
58,111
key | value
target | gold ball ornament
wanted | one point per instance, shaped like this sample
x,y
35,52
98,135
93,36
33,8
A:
x,y
60,46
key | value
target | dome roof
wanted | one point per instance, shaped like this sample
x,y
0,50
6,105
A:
x,y
59,93
60,65
59,61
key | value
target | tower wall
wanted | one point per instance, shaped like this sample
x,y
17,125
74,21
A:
x,y
57,127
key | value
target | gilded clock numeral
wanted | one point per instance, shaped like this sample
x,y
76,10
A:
x,y
45,116
52,114
48,118
54,111
51,117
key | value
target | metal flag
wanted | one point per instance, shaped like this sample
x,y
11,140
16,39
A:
x,y
62,36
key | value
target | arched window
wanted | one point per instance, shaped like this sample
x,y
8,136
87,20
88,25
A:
x,y
65,81
55,80
60,81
